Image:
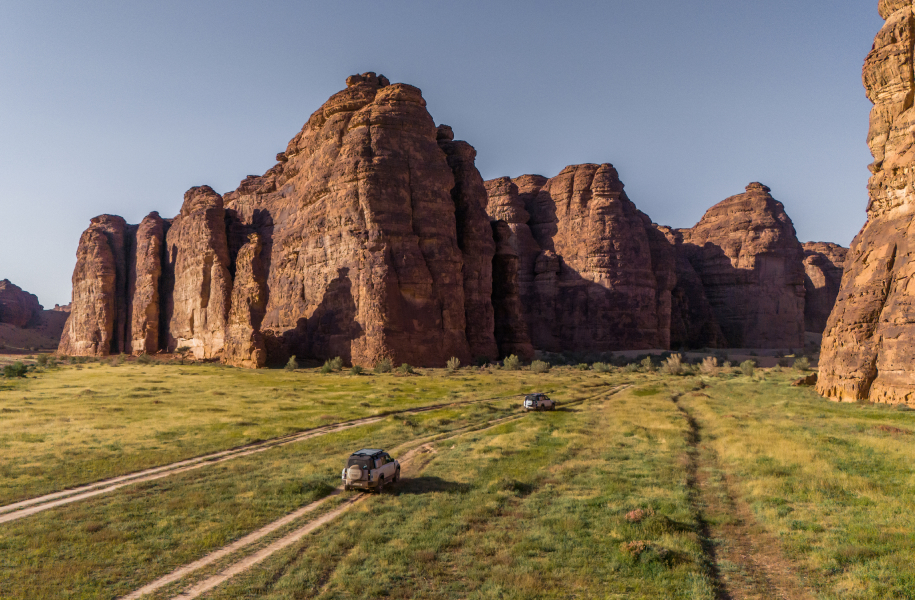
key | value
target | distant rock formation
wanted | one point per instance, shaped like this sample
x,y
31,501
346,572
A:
x,y
868,350
24,324
750,262
824,265
17,308
593,273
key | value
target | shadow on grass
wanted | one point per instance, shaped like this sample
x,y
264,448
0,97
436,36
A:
x,y
428,485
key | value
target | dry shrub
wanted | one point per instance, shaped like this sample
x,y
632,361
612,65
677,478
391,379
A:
x,y
673,365
709,366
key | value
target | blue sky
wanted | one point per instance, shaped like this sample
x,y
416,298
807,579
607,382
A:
x,y
119,107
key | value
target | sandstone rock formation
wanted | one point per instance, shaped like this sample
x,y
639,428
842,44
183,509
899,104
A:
x,y
17,308
750,262
824,264
144,274
868,349
244,340
594,274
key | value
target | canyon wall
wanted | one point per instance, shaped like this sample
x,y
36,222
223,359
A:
x,y
869,341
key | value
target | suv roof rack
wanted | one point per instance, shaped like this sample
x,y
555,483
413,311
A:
x,y
367,452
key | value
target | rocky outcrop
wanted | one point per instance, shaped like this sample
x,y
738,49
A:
x,y
147,252
823,265
750,262
594,274
197,285
868,349
244,340
18,308
96,324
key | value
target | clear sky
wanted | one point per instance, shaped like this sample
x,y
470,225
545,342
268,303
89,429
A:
x,y
119,107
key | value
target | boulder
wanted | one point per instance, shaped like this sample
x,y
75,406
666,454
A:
x,y
823,266
17,307
806,381
746,253
868,348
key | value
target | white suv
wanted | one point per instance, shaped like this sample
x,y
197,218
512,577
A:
x,y
370,469
538,402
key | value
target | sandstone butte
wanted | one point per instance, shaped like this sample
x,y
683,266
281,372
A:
x,y
869,344
374,236
23,321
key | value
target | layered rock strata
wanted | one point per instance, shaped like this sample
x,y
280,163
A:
x,y
594,274
868,349
746,253
823,266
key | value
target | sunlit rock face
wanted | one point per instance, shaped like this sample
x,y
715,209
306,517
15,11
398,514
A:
x,y
823,265
868,348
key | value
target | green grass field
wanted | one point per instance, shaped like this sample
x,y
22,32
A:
x,y
676,487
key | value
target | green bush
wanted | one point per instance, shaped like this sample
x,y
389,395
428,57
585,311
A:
x,y
292,364
43,360
144,359
17,369
601,367
748,367
405,369
784,361
336,364
539,366
512,362
584,367
384,366
328,367
632,368
182,349
647,364
673,365
454,363
355,370
802,364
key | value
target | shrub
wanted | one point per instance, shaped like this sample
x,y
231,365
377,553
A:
x,y
292,364
647,364
601,367
539,366
405,369
748,367
384,366
327,367
43,360
336,364
632,368
709,366
144,359
355,370
727,364
512,362
802,364
182,349
17,369
583,366
673,365
481,361
454,363
122,358
784,361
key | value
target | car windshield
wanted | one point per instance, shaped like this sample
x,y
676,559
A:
x,y
363,462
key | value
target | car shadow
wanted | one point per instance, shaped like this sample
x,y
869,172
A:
x,y
427,485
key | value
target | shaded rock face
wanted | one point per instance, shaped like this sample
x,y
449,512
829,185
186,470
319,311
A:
x,y
868,349
371,241
823,265
17,307
750,262
594,274
196,282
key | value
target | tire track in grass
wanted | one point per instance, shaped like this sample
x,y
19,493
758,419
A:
x,y
25,508
245,563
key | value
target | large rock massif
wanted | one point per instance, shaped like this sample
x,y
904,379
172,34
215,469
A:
x,y
869,342
374,236
823,265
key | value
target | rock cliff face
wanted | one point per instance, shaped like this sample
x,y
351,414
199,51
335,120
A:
x,y
593,273
750,262
371,241
18,308
868,347
823,264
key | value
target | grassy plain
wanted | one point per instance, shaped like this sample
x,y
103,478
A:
x,y
541,507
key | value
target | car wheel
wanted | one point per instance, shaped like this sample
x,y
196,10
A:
x,y
396,476
380,487
346,488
